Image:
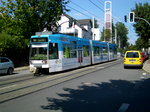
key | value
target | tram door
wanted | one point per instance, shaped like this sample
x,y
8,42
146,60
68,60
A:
x,y
80,56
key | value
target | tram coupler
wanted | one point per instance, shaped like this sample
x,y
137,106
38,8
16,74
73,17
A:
x,y
38,72
35,71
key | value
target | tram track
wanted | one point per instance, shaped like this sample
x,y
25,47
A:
x,y
16,80
30,77
19,89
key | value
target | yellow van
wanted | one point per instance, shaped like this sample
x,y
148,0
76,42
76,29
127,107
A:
x,y
133,58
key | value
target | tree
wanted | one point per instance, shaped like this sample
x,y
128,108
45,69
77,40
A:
x,y
15,48
140,43
141,27
102,35
105,35
113,32
95,24
29,16
122,32
19,19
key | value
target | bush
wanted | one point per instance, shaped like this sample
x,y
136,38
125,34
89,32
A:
x,y
15,48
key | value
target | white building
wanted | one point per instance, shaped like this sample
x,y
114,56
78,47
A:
x,y
80,28
96,34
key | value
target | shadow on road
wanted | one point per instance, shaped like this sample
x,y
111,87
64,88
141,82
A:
x,y
103,97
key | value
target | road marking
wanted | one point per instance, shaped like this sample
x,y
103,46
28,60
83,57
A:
x,y
123,107
87,83
7,87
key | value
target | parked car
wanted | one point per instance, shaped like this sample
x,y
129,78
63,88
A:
x,y
133,59
6,66
144,56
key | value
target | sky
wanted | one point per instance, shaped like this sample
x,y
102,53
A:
x,y
87,9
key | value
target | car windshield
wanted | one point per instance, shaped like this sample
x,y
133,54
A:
x,y
132,55
39,53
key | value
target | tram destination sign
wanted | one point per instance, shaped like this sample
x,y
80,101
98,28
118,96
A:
x,y
39,39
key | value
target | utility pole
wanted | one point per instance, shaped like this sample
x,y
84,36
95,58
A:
x,y
119,42
115,36
93,36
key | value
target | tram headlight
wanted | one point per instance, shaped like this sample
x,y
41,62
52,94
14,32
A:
x,y
44,61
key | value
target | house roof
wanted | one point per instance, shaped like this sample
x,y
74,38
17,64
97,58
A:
x,y
84,21
80,22
68,16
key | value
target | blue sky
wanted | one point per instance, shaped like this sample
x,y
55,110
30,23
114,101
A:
x,y
119,9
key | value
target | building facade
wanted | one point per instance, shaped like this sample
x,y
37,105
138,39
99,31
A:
x,y
80,28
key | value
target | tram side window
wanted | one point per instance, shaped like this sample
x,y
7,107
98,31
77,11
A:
x,y
105,51
115,50
86,51
111,50
96,51
73,52
66,51
53,51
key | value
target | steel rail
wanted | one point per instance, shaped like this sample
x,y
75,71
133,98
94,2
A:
x,y
28,89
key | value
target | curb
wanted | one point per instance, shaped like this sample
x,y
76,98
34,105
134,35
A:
x,y
146,66
21,68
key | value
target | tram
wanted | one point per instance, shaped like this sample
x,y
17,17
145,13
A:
x,y
59,52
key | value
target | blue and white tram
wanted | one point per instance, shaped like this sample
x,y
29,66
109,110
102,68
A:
x,y
58,52
112,51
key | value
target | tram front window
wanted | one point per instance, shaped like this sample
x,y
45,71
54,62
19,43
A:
x,y
39,53
53,51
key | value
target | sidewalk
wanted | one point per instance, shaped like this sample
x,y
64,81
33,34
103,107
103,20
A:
x,y
21,68
146,66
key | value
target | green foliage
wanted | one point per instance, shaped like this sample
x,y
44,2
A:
x,y
19,19
8,42
113,31
14,47
25,17
95,23
131,47
122,32
107,35
141,27
102,35
141,43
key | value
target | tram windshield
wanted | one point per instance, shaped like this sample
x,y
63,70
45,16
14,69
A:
x,y
38,53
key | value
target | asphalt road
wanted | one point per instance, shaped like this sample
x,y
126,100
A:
x,y
109,89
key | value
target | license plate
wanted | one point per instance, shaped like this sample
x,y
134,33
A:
x,y
132,60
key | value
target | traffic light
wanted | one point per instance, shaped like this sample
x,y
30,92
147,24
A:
x,y
131,17
125,18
